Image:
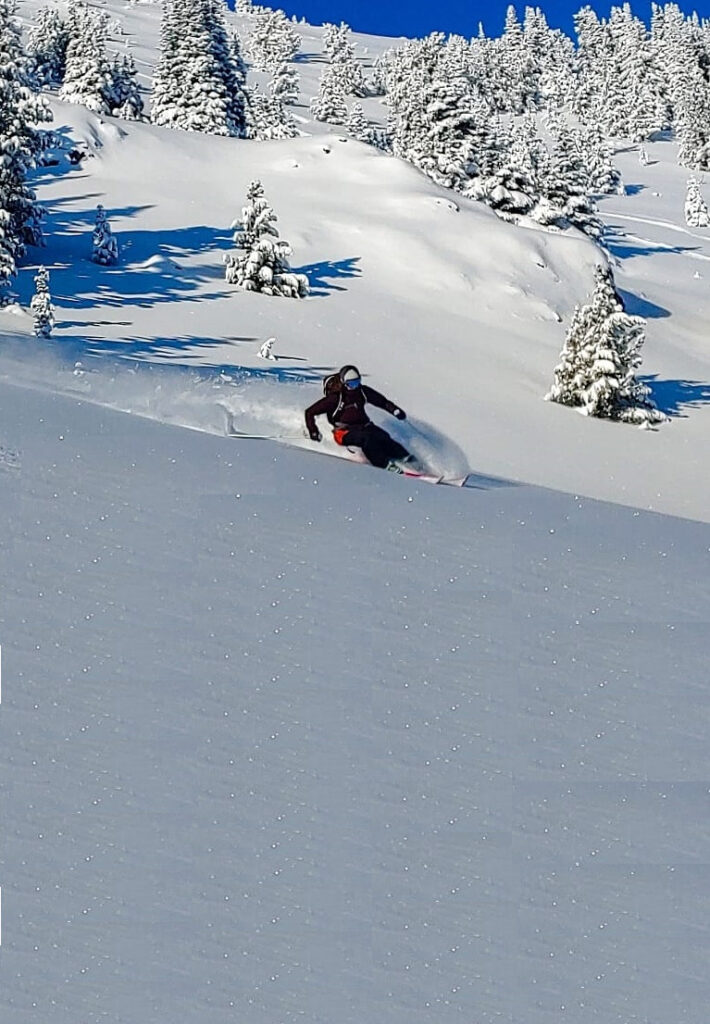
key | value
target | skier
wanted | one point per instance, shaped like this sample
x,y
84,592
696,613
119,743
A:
x,y
345,397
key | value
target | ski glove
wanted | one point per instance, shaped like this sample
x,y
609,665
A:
x,y
316,435
400,414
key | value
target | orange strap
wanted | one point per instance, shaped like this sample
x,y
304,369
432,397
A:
x,y
339,434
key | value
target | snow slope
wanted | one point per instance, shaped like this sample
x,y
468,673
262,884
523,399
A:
x,y
288,739
456,314
285,739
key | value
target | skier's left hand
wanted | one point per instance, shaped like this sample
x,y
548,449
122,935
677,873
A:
x,y
400,414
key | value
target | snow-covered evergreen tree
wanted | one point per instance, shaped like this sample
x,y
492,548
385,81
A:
x,y
330,103
273,40
168,104
257,219
41,305
222,54
47,43
441,143
244,7
376,85
509,190
517,62
358,125
267,350
104,243
20,146
692,118
268,118
635,78
619,80
696,212
590,62
238,62
341,53
602,352
286,84
261,264
195,86
604,178
331,39
567,184
122,94
87,78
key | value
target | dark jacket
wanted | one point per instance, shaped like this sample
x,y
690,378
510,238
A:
x,y
347,408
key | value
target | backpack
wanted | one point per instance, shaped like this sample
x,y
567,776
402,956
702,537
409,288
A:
x,y
332,385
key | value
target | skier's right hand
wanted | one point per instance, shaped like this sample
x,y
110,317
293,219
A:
x,y
316,434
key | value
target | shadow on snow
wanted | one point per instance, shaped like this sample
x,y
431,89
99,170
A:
x,y
636,305
320,275
674,397
625,247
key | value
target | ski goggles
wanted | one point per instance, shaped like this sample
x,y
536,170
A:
x,y
352,384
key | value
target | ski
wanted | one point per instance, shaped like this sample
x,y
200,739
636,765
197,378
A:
x,y
246,435
432,478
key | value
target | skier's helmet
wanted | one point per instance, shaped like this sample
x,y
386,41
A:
x,y
350,376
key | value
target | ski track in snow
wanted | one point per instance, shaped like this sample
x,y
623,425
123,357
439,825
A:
x,y
197,398
658,246
661,224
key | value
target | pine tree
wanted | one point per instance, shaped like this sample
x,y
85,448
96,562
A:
x,y
286,84
41,305
692,119
273,40
87,78
268,118
47,43
604,178
122,94
377,85
341,53
168,104
262,264
509,190
590,62
358,125
602,352
222,53
104,243
635,78
444,149
238,62
567,184
696,212
512,173
330,103
20,146
267,350
195,86
331,39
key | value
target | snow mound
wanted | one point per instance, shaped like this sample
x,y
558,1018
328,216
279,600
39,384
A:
x,y
158,262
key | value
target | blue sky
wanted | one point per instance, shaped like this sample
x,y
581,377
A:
x,y
416,18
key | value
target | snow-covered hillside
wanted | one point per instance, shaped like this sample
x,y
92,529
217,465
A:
x,y
457,314
287,739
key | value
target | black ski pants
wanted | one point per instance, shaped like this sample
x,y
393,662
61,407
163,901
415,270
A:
x,y
377,446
